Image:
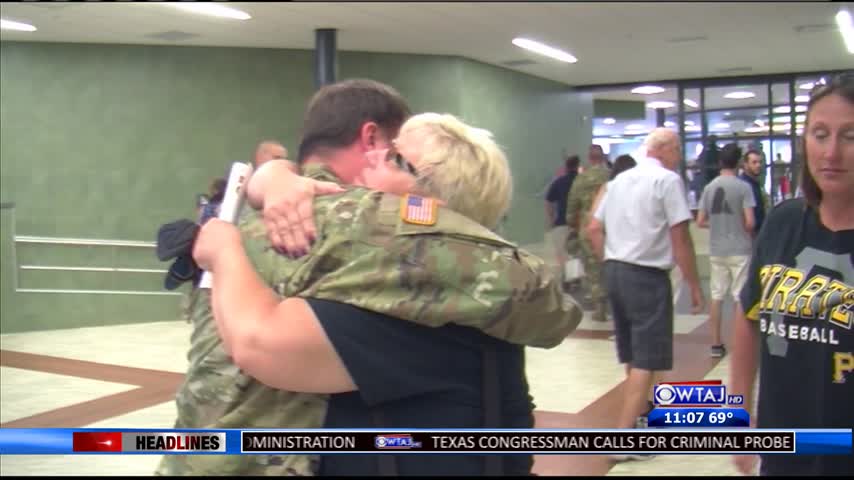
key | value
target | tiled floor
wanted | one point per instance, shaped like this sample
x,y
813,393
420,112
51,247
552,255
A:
x,y
90,378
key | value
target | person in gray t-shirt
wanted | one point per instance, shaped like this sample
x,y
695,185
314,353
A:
x,y
726,207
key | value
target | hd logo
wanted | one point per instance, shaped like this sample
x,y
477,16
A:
x,y
678,394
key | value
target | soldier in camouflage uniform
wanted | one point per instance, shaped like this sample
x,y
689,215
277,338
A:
x,y
580,200
454,270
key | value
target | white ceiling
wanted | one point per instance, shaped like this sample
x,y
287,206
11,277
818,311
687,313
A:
x,y
614,42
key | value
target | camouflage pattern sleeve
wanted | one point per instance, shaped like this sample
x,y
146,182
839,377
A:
x,y
573,208
455,271
580,199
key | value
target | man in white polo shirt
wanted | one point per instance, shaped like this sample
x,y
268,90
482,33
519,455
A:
x,y
644,211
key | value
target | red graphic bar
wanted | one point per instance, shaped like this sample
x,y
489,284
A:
x,y
97,442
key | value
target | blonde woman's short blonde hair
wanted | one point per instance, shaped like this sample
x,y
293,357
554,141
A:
x,y
462,166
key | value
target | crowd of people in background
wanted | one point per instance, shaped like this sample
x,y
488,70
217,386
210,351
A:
x,y
784,269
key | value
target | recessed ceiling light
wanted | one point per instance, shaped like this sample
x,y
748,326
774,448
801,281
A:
x,y
806,86
635,126
755,129
692,128
543,49
846,28
21,27
726,114
721,125
782,109
616,136
669,124
690,103
213,9
802,98
647,90
689,122
660,105
609,121
800,108
782,128
801,118
739,95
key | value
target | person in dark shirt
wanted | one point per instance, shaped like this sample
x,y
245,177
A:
x,y
430,378
799,296
556,199
752,170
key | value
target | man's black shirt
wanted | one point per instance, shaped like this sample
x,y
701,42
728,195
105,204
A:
x,y
419,377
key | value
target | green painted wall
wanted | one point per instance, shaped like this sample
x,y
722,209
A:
x,y
110,141
537,122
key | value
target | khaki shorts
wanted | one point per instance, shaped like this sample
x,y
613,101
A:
x,y
728,275
556,240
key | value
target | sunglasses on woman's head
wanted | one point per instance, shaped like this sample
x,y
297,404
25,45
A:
x,y
395,157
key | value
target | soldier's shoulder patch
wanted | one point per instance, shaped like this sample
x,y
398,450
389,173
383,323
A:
x,y
419,210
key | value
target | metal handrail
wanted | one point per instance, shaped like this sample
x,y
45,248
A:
x,y
19,239
99,292
83,241
92,269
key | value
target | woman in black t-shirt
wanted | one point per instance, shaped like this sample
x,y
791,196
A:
x,y
799,300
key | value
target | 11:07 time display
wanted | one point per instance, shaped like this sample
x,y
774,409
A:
x,y
696,417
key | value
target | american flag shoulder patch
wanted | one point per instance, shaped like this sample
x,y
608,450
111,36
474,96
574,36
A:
x,y
419,210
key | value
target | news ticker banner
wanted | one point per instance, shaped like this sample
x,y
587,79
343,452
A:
x,y
60,441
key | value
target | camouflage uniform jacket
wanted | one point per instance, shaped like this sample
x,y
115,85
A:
x,y
578,204
454,271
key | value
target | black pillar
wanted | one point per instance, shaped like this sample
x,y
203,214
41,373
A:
x,y
325,57
660,117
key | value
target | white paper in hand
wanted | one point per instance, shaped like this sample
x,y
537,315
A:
x,y
235,192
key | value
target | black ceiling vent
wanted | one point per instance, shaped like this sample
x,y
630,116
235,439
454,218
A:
x,y
49,5
735,70
172,36
693,38
518,63
814,28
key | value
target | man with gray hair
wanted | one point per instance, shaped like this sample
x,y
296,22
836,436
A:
x,y
643,212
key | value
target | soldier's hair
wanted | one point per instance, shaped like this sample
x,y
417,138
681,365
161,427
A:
x,y
462,166
572,163
729,156
336,113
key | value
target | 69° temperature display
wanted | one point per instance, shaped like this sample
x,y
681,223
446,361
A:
x,y
698,417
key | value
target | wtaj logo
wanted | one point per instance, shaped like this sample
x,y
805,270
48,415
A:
x,y
402,441
694,393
